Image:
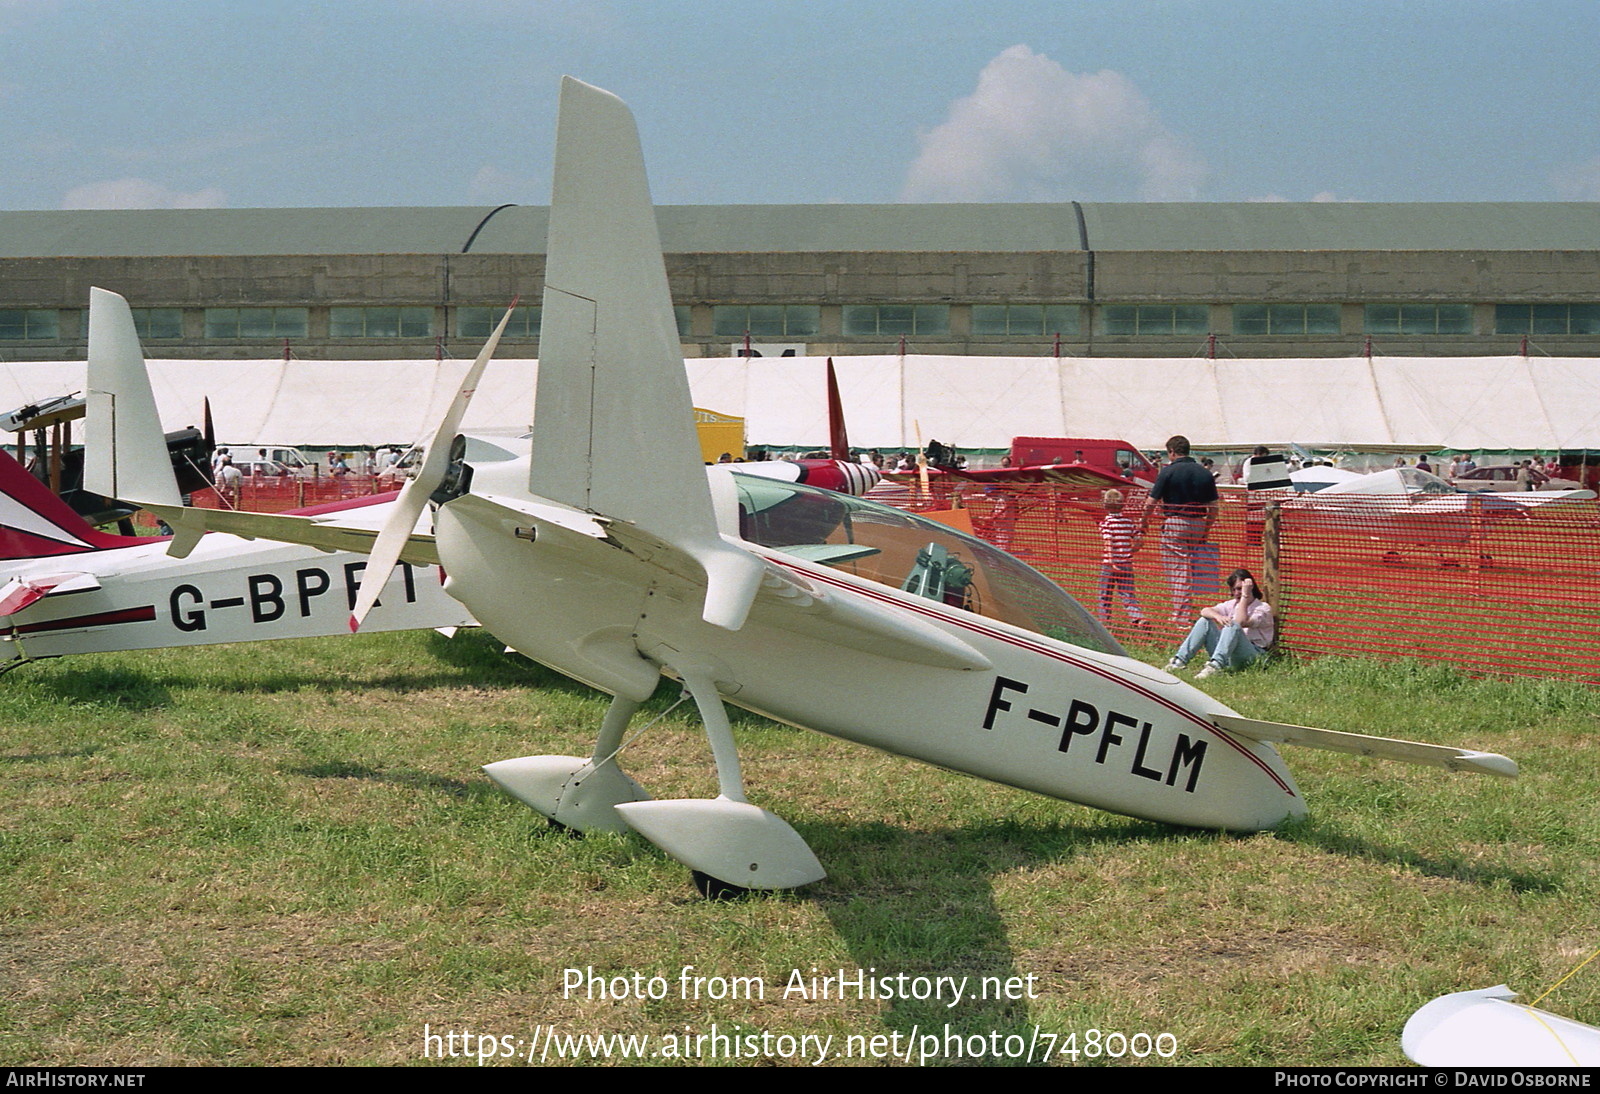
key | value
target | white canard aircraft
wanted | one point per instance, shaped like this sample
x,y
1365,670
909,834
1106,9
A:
x,y
817,609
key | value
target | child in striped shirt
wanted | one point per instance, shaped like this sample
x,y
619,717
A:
x,y
1121,537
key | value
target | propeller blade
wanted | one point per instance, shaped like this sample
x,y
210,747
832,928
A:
x,y
413,497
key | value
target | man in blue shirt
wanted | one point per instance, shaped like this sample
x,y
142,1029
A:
x,y
1186,495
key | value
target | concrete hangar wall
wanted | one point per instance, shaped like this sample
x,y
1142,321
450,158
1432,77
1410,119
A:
x,y
1266,279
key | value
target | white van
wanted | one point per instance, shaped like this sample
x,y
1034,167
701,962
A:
x,y
295,460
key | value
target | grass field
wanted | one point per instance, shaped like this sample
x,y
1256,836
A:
x,y
285,853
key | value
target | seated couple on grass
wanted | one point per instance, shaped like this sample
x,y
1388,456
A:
x,y
1235,633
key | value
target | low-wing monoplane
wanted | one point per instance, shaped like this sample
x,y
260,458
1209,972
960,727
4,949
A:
x,y
66,588
817,609
1421,488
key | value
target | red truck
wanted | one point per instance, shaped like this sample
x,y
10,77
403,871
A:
x,y
1114,457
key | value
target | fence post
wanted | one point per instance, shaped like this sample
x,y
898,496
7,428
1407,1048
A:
x,y
1272,566
1477,538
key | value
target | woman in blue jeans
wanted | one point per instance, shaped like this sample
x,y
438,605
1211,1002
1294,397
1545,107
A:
x,y
1234,633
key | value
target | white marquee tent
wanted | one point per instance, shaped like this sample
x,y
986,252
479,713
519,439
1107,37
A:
x,y
1425,403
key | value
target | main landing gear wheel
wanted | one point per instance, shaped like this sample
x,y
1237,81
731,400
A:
x,y
725,836
713,888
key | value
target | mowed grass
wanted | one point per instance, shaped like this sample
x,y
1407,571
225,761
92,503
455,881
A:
x,y
285,853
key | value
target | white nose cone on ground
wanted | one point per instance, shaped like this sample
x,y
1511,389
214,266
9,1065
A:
x,y
1486,1029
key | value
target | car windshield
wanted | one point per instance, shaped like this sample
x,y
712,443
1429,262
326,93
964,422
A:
x,y
1424,483
914,554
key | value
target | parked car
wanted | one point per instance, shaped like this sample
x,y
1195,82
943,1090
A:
x,y
262,468
1502,477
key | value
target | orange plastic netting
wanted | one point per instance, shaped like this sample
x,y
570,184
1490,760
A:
x,y
1489,582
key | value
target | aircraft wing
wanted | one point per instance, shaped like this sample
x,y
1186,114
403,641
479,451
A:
x,y
783,594
326,533
20,592
1529,498
1076,476
611,378
1383,748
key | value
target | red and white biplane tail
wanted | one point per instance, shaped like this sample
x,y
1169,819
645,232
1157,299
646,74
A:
x,y
34,523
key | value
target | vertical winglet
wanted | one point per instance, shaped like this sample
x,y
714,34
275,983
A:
x,y
125,451
613,421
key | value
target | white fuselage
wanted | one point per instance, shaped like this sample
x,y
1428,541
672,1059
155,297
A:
x,y
1043,715
227,590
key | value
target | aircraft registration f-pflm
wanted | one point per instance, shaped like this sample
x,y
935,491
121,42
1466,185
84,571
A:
x,y
814,608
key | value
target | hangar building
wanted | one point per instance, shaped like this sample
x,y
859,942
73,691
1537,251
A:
x,y
1246,280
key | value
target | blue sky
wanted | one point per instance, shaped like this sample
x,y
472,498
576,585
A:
x,y
160,103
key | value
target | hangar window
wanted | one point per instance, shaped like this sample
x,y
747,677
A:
x,y
153,324
766,320
380,322
1418,319
30,323
1021,320
1155,319
1286,319
1547,318
256,322
480,322
866,320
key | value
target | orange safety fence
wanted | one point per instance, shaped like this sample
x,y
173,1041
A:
x,y
278,493
1487,582
1497,583
1056,530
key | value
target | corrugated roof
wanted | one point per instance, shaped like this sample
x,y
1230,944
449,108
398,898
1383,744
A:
x,y
687,229
1344,226
161,232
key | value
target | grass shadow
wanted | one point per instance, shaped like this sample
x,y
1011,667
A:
x,y
1324,836
104,687
416,780
46,757
896,915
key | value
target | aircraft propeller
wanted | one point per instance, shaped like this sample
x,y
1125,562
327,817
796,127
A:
x,y
430,476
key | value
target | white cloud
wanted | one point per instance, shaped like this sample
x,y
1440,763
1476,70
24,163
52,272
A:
x,y
1319,196
1578,181
1033,131
491,186
140,194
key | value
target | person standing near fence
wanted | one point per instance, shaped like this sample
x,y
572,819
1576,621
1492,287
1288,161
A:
x,y
229,480
1186,497
1120,537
